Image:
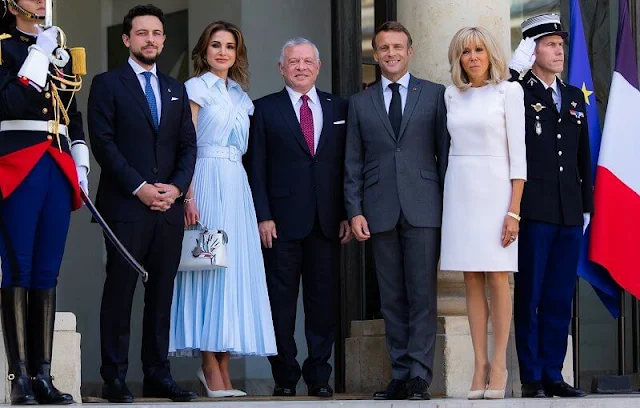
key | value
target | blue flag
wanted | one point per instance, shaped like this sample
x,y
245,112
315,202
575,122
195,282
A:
x,y
580,76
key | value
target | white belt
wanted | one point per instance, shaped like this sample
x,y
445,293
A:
x,y
48,126
220,152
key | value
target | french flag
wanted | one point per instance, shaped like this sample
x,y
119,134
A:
x,y
615,227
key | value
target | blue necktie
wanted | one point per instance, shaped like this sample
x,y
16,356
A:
x,y
151,99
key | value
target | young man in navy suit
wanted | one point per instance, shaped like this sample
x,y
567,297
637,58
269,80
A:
x,y
295,168
144,140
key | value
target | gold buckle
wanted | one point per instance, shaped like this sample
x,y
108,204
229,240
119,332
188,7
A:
x,y
51,126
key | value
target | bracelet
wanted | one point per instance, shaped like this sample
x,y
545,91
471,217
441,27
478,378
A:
x,y
514,215
188,200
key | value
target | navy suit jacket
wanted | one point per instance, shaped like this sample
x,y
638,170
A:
x,y
289,185
128,148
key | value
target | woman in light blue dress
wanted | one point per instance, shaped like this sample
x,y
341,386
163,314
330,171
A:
x,y
222,312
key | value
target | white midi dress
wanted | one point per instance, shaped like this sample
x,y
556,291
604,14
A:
x,y
487,128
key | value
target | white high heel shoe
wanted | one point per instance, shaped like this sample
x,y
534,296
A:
x,y
237,393
478,394
212,394
497,394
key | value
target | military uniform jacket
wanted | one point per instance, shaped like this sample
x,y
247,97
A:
x,y
559,187
21,150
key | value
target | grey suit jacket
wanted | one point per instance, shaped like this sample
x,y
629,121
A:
x,y
385,174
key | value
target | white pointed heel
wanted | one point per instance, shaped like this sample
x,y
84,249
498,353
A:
x,y
212,394
476,395
497,394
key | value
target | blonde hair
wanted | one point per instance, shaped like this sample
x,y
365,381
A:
x,y
498,69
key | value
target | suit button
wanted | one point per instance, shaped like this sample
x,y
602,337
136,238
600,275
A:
x,y
155,170
47,95
559,152
559,136
398,149
579,122
559,120
49,137
561,168
315,161
537,117
45,110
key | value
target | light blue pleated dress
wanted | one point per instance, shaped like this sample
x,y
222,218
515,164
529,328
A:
x,y
223,310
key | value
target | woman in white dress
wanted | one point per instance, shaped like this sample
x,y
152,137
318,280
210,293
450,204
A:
x,y
222,312
483,187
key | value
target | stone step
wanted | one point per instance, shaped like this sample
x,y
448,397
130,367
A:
x,y
352,401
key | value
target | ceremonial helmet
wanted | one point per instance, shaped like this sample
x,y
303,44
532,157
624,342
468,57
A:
x,y
8,20
541,25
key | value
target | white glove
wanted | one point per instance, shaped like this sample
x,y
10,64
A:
x,y
47,39
587,218
82,179
524,56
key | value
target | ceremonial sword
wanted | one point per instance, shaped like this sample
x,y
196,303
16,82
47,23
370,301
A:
x,y
108,233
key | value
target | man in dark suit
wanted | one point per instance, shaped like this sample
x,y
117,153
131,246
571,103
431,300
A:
x,y
144,140
295,168
556,203
396,157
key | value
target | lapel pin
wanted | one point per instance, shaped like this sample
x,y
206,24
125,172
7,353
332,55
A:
x,y
574,104
169,90
538,107
415,89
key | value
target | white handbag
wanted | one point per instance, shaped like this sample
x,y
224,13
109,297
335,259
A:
x,y
203,249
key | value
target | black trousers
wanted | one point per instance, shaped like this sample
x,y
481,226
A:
x,y
316,259
155,244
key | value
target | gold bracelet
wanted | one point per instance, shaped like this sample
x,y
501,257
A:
x,y
514,215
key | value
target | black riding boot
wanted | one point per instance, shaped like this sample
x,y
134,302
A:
x,y
14,328
42,313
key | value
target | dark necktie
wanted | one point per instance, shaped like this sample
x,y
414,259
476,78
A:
x,y
151,99
395,108
550,90
306,123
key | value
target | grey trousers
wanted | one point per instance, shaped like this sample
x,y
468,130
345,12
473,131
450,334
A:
x,y
406,260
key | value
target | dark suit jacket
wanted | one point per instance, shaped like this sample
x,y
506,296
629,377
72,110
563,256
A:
x,y
128,148
385,174
559,187
289,185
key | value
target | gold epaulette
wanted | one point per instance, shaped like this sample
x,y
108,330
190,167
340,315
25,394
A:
x,y
3,36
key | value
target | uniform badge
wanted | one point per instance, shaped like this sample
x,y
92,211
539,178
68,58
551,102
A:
x,y
532,81
574,104
538,107
576,114
538,128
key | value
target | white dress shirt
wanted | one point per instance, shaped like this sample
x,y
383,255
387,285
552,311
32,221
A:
x,y
155,85
387,92
557,96
316,111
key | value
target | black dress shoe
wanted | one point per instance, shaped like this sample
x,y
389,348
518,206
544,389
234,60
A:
x,y
533,390
117,391
320,390
396,390
166,388
562,389
418,389
284,391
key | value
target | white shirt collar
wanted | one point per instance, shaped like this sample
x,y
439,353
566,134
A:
x,y
553,86
211,79
295,96
404,81
139,69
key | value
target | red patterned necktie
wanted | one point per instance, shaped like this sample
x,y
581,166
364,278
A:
x,y
306,123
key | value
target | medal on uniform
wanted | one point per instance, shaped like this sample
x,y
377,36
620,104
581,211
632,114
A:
x,y
538,126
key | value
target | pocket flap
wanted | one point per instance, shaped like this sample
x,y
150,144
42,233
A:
x,y
429,175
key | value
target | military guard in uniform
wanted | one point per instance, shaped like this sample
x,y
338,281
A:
x,y
557,201
43,163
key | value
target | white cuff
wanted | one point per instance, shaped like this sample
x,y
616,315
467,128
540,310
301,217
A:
x,y
135,192
80,154
35,67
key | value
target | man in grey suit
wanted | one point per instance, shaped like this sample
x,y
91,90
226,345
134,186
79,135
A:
x,y
396,157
